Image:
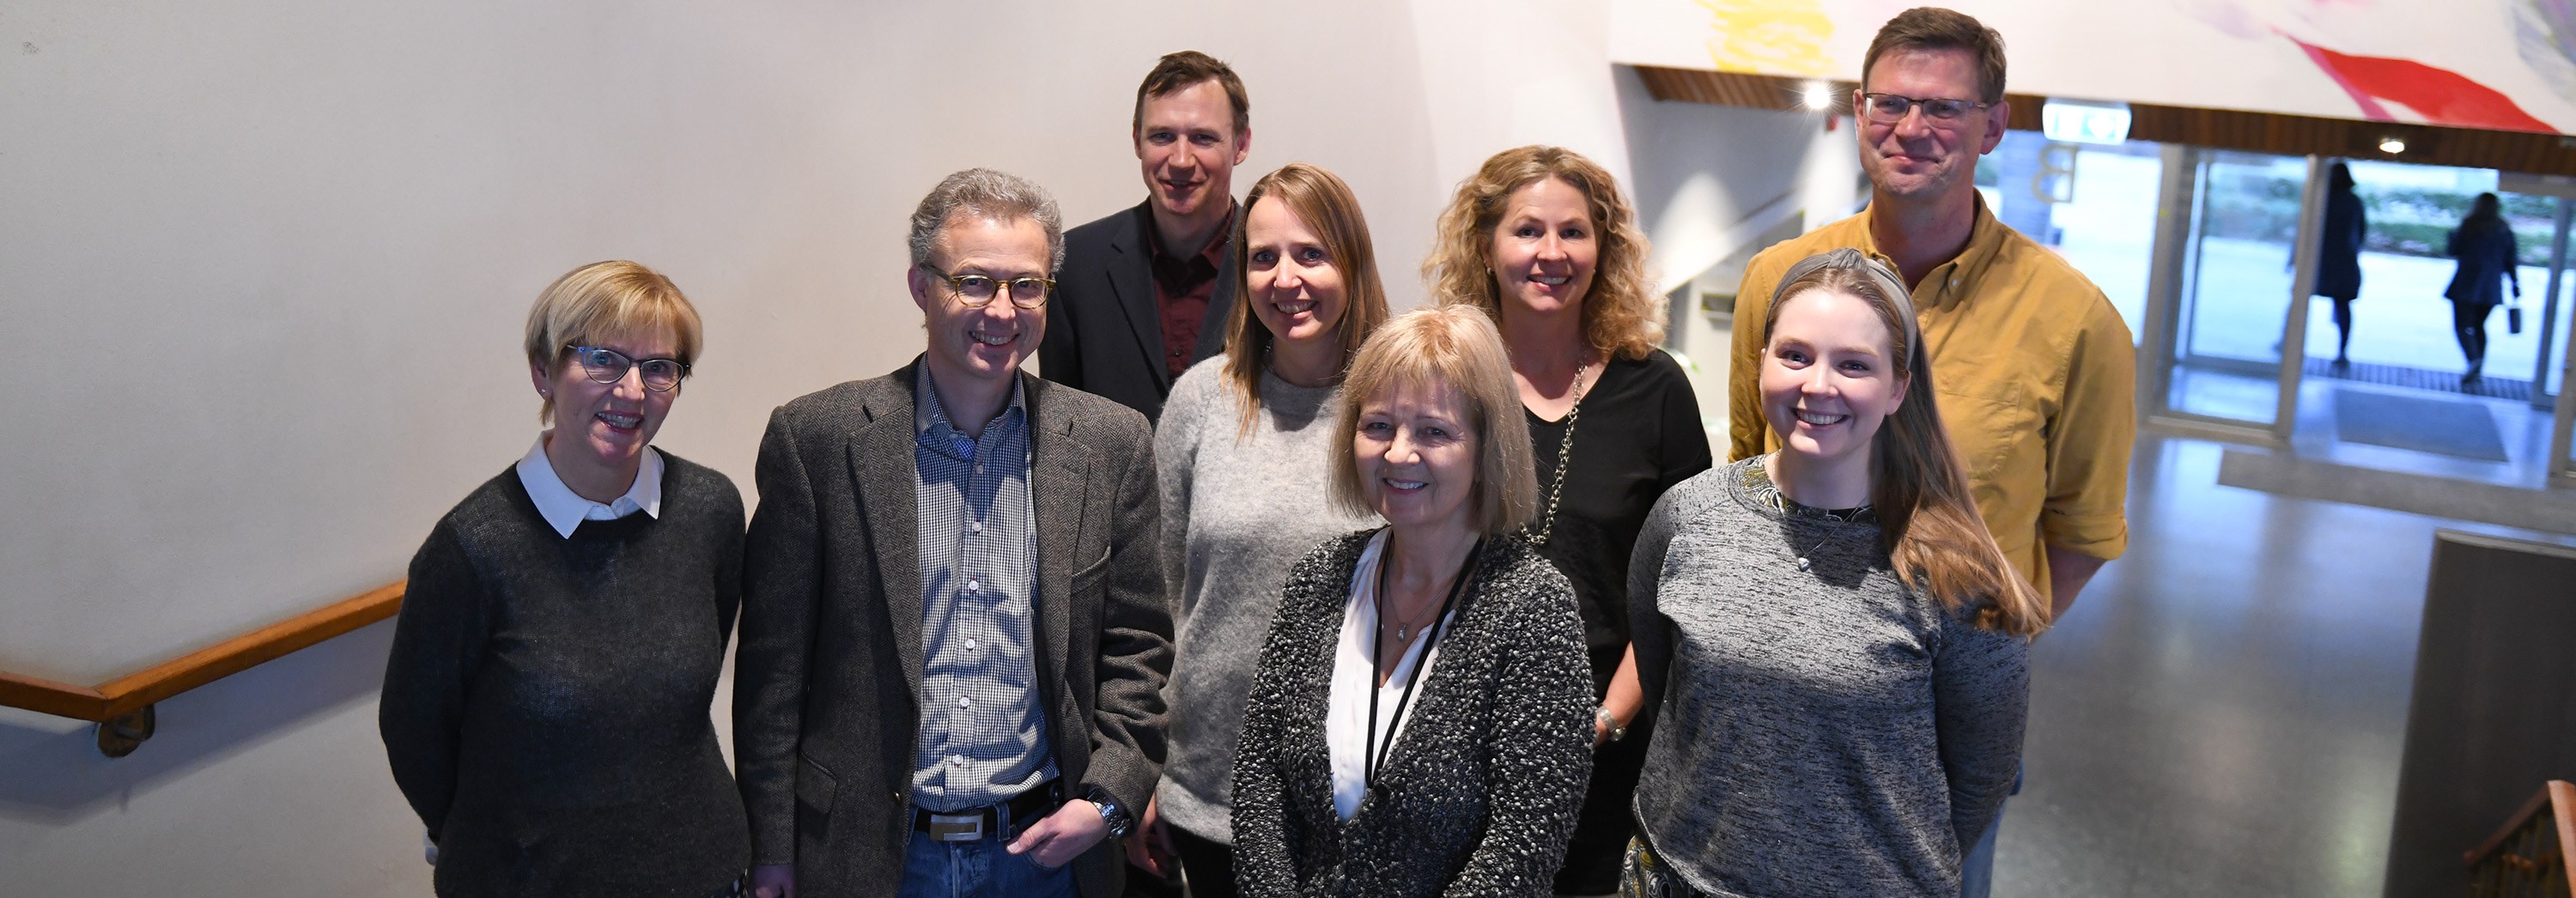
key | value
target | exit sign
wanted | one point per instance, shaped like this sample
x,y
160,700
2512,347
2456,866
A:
x,y
2085,121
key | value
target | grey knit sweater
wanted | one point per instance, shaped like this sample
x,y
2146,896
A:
x,y
1480,792
1830,732
1238,509
545,702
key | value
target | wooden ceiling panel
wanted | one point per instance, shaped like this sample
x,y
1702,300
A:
x,y
2259,132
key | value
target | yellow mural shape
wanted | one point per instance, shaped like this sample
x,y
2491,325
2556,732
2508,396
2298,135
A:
x,y
1770,37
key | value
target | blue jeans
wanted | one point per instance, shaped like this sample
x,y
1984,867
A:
x,y
1977,866
978,869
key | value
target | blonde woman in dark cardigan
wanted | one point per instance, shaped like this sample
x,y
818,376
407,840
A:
x,y
1421,718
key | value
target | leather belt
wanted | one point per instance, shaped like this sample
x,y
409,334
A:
x,y
999,821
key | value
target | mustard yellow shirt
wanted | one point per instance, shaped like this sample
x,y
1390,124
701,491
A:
x,y
2035,373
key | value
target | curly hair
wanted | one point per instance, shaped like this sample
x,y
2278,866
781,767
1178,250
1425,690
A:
x,y
1622,315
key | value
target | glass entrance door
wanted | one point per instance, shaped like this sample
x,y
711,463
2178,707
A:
x,y
2223,350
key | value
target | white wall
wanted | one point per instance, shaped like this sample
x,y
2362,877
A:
x,y
263,266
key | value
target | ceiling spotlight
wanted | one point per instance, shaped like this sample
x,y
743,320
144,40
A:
x,y
2392,146
1818,96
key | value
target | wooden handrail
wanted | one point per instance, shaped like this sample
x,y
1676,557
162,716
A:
x,y
134,693
2556,798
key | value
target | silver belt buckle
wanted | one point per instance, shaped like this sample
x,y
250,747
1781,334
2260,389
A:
x,y
956,827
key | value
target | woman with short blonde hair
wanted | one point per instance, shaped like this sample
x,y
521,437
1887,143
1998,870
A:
x,y
1541,239
545,701
1442,628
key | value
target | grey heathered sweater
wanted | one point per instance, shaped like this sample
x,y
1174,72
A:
x,y
1236,514
1820,733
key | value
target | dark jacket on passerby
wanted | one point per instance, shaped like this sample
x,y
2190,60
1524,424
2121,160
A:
x,y
2486,257
2339,259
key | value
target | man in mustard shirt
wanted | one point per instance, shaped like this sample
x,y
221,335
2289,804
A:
x,y
2034,369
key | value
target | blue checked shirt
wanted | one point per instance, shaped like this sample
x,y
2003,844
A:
x,y
983,732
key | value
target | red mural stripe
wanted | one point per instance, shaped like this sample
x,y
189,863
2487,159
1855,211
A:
x,y
2442,96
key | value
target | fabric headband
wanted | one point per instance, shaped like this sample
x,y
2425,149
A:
x,y
1848,259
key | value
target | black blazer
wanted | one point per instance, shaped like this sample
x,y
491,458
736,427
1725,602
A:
x,y
1104,331
2339,256
1480,794
828,675
2487,260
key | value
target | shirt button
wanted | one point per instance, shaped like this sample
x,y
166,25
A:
x,y
970,643
975,526
965,701
979,467
956,760
974,587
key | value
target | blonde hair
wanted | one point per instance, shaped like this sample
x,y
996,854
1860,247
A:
x,y
1456,347
603,300
1927,517
1622,315
1323,202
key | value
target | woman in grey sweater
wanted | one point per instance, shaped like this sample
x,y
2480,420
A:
x,y
1835,646
1240,451
1420,723
545,702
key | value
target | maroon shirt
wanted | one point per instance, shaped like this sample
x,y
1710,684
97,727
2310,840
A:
x,y
1183,285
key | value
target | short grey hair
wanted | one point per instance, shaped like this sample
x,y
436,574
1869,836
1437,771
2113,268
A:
x,y
991,194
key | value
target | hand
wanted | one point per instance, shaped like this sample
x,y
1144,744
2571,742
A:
x,y
1150,846
773,881
1058,838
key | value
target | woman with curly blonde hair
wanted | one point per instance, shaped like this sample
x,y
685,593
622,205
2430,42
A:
x,y
1542,240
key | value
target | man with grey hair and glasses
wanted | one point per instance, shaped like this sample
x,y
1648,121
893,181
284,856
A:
x,y
954,635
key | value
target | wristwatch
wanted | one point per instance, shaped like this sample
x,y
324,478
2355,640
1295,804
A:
x,y
1111,812
1616,729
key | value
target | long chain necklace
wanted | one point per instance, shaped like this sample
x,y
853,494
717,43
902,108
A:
x,y
1564,452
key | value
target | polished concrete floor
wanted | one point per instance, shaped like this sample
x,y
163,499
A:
x,y
2223,711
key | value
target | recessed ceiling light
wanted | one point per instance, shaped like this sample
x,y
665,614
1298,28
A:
x,y
2392,146
1818,96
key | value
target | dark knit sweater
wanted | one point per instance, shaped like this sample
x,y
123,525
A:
x,y
1479,794
546,704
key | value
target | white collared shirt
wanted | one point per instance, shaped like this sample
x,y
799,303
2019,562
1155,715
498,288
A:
x,y
1346,716
564,509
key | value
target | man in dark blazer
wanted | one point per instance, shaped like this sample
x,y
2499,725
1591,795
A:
x,y
954,632
1146,291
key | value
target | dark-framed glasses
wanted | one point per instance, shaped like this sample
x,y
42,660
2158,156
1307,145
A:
x,y
978,290
1888,109
607,366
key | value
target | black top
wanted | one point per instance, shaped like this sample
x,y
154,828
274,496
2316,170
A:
x,y
2487,261
2339,253
546,706
1638,434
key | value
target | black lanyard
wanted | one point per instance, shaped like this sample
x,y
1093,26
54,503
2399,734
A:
x,y
1372,755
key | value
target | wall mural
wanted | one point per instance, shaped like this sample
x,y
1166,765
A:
x,y
2497,64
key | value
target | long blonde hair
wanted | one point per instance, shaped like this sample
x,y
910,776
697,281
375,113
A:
x,y
1622,315
1927,518
1321,200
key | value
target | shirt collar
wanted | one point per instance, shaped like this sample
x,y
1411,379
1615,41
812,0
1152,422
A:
x,y
932,428
1947,283
1214,252
564,509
